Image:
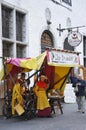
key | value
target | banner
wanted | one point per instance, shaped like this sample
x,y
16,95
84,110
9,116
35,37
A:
x,y
62,58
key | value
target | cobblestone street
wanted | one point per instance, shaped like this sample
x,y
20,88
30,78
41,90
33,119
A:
x,y
70,120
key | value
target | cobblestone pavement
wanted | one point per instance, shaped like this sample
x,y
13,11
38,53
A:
x,y
70,120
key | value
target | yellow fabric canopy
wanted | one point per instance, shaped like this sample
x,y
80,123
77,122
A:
x,y
18,65
57,65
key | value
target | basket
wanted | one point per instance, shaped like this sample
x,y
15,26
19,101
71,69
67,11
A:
x,y
19,109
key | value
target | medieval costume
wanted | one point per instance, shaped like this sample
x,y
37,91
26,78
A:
x,y
16,97
43,105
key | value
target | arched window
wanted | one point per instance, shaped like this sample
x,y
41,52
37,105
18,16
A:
x,y
67,46
46,40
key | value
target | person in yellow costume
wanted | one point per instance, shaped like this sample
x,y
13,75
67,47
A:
x,y
43,106
16,95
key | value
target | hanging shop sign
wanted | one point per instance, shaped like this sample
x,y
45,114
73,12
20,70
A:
x,y
74,38
62,58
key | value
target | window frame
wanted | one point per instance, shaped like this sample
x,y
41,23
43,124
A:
x,y
68,2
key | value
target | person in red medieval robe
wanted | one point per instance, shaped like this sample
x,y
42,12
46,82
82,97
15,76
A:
x,y
43,106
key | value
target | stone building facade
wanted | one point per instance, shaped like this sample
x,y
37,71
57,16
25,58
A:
x,y
28,27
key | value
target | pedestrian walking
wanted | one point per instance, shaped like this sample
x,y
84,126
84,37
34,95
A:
x,y
79,88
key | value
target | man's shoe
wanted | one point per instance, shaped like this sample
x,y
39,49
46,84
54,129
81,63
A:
x,y
83,112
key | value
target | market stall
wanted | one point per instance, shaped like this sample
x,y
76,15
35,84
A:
x,y
58,65
11,68
54,63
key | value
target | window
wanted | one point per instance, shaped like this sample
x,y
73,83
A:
x,y
84,41
7,22
67,2
13,31
85,62
67,46
21,51
7,49
46,40
84,46
20,26
64,3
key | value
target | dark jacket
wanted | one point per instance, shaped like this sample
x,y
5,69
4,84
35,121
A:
x,y
81,87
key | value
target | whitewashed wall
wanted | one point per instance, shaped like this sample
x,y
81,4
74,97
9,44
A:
x,y
36,21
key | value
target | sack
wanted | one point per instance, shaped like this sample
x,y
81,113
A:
x,y
76,88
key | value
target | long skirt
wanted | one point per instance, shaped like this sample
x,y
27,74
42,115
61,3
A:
x,y
45,112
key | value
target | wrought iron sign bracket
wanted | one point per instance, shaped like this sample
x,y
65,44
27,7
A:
x,y
68,29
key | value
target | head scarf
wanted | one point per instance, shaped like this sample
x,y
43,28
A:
x,y
41,84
